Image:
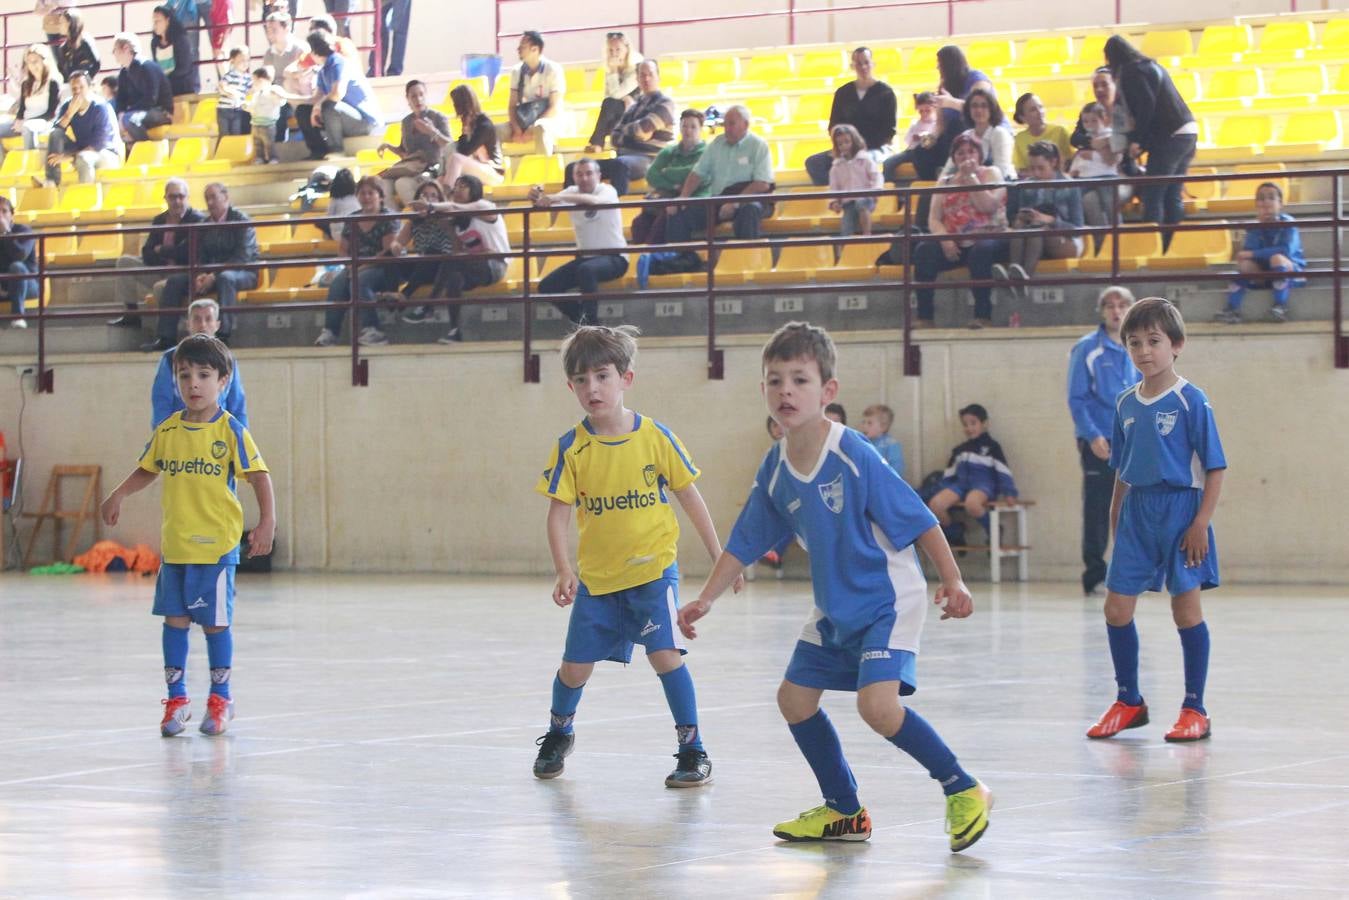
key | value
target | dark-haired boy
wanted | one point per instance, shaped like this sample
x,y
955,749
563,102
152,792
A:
x,y
199,450
1169,468
614,472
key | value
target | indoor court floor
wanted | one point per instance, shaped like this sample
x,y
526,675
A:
x,y
386,730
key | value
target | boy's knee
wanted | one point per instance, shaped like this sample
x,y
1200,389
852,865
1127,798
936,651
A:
x,y
575,675
1278,259
180,622
214,629
664,661
796,703
1186,610
1119,608
976,506
881,711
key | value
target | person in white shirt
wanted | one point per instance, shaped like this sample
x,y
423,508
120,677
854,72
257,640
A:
x,y
536,107
596,229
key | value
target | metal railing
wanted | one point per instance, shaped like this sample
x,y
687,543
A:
x,y
710,291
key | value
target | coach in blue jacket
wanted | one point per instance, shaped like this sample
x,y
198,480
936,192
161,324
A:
x,y
203,317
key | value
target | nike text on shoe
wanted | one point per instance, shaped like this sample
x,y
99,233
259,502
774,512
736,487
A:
x,y
825,824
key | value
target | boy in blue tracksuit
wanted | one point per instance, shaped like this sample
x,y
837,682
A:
x,y
1268,256
1170,467
859,521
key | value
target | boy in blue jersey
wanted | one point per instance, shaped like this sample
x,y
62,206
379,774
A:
x,y
1169,464
199,450
859,521
614,472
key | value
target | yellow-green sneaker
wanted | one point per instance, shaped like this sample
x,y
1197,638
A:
x,y
967,815
825,824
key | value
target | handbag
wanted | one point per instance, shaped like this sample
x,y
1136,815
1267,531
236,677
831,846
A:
x,y
529,112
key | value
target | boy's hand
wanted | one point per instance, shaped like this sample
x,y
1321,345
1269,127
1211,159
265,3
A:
x,y
260,538
695,611
111,509
1195,544
954,599
564,590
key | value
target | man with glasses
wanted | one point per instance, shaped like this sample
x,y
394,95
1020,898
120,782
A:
x,y
161,248
866,104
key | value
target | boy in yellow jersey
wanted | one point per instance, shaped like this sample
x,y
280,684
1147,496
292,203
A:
x,y
199,450
616,469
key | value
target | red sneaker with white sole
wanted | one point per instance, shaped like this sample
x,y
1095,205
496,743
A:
x,y
1191,726
1117,718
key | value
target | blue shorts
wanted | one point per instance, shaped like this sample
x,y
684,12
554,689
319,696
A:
x,y
851,669
1147,553
983,479
203,593
605,626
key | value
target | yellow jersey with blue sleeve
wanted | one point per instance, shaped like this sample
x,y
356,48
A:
x,y
203,520
620,484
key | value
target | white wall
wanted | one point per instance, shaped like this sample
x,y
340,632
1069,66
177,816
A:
x,y
432,467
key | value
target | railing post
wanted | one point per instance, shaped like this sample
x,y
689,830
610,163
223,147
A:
x,y
6,54
531,360
379,38
913,354
716,359
360,368
641,24
46,380
1337,212
791,22
951,17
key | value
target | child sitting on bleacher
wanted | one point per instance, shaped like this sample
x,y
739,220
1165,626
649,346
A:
x,y
976,475
853,170
1273,250
230,115
926,123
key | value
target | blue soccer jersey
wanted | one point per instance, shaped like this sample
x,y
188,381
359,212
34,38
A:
x,y
858,519
1169,440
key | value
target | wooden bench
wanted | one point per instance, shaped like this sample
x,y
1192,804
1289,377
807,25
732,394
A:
x,y
1017,509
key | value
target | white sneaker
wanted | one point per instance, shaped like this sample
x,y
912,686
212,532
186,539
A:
x,y
326,339
372,337
23,323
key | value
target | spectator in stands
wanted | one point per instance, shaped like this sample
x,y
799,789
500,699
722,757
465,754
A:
x,y
338,8
538,87
983,118
39,97
161,248
171,49
644,130
958,79
1268,257
478,230
737,161
1103,90
477,152
341,41
426,134
620,88
853,170
343,105
959,217
1163,127
595,230
203,317
375,240
18,256
976,475
283,51
835,412
231,114
52,23
77,53
929,145
425,235
868,105
1098,159
876,422
144,99
1047,200
667,174
107,88
265,106
395,19
95,144
1030,111
1099,368
215,246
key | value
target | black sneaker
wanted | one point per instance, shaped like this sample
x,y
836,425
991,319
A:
x,y
415,315
126,320
694,769
554,747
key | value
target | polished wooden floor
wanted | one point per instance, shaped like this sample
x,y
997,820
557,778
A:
x,y
386,729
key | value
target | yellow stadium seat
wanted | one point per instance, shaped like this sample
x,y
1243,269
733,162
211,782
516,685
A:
x,y
1234,84
34,200
1306,81
286,284
539,169
765,109
821,64
185,153
510,284
796,263
887,62
770,69
102,247
202,122
273,234
579,80
1202,191
1055,94
1135,249
62,250
857,262
1334,43
1167,42
144,156
479,86
1286,40
812,108
1091,50
738,265
1239,196
126,201
1195,250
794,154
1244,131
715,70
990,56
20,166
1306,134
74,199
1046,50
235,149
1224,42
796,216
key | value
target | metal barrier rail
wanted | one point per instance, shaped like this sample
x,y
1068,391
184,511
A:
x,y
710,291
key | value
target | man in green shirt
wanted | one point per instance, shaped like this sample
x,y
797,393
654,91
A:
x,y
666,175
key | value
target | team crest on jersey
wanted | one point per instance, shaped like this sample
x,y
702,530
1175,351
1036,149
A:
x,y
649,473
219,450
1166,421
832,495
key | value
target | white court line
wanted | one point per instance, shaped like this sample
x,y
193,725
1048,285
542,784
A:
x,y
158,762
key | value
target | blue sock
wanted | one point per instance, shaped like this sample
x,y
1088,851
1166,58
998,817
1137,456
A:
x,y
678,684
174,641
220,654
918,739
820,746
1236,293
1124,653
1195,644
565,700
1282,287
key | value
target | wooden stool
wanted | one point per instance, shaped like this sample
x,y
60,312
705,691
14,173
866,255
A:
x,y
53,512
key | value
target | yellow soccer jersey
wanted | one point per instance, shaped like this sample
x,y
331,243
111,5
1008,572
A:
x,y
619,485
203,520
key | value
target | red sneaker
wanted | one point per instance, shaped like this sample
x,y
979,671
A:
x,y
176,715
1191,726
1117,718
